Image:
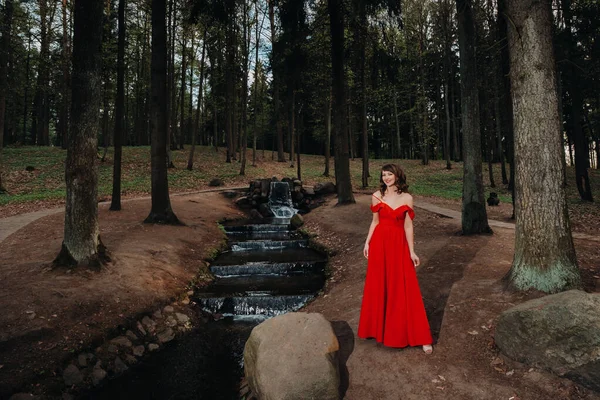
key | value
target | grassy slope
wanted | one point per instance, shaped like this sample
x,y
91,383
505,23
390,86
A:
x,y
46,182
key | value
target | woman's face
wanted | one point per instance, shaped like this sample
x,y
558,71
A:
x,y
388,178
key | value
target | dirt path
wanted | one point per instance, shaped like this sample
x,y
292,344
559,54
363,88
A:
x,y
460,280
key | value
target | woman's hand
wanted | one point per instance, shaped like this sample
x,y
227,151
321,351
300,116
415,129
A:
x,y
415,259
366,250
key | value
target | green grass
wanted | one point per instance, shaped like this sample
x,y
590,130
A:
x,y
46,181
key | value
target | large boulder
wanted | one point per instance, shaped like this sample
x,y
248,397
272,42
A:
x,y
293,356
560,333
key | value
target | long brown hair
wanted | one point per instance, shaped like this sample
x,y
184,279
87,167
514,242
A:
x,y
400,178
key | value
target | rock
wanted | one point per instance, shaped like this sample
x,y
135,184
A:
x,y
297,221
24,396
72,375
112,348
216,182
182,318
560,333
138,351
131,336
121,341
265,187
293,356
308,191
82,360
243,202
131,360
255,215
230,194
265,211
324,188
157,314
149,324
141,329
120,366
171,321
168,309
98,374
153,347
166,336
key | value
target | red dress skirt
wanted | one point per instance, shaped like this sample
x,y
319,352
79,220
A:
x,y
392,309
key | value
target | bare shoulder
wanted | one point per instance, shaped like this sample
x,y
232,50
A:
x,y
407,199
376,197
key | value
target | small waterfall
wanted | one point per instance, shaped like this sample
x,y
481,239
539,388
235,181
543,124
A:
x,y
280,202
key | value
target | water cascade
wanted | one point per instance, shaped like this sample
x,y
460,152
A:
x,y
268,270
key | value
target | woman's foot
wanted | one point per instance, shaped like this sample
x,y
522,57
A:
x,y
428,349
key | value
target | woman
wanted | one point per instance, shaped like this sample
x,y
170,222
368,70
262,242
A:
x,y
392,308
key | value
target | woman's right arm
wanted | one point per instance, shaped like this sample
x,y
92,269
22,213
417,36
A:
x,y
374,223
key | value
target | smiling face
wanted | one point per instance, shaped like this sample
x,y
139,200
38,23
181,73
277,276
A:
x,y
388,178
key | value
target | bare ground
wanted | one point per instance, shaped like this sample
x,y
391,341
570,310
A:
x,y
49,315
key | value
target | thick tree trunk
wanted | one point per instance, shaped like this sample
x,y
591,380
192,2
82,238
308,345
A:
x,y
161,211
342,161
474,214
81,244
115,204
544,252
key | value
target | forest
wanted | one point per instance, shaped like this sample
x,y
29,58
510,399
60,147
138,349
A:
x,y
510,83
259,74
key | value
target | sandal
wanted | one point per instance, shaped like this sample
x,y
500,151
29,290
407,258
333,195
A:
x,y
427,348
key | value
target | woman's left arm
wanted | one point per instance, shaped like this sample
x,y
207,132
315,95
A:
x,y
409,231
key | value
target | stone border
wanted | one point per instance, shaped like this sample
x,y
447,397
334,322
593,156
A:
x,y
115,356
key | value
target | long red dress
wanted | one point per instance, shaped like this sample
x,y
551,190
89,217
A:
x,y
392,309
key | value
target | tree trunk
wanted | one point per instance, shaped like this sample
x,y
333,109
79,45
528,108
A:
x,y
455,127
342,161
448,131
6,29
397,122
498,118
191,129
63,116
4,51
328,133
182,121
115,204
276,105
291,125
474,214
246,56
161,211
81,243
544,253
190,164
